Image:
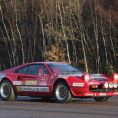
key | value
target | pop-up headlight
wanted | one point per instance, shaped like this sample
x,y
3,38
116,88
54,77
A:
x,y
86,77
115,76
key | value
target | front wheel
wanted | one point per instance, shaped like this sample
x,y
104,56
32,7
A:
x,y
101,99
62,92
6,91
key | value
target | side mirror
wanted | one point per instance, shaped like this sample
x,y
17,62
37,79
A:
x,y
40,72
55,72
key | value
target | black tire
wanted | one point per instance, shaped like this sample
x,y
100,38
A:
x,y
101,99
62,93
6,91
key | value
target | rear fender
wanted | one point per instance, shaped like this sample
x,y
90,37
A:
x,y
2,76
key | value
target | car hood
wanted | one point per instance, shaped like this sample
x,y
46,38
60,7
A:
x,y
68,75
98,77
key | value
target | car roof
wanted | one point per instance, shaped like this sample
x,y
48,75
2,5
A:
x,y
45,63
20,66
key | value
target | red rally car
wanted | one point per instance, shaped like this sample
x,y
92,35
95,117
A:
x,y
56,79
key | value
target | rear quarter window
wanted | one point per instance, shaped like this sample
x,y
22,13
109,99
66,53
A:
x,y
22,70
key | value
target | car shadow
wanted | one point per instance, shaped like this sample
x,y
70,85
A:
x,y
52,100
36,99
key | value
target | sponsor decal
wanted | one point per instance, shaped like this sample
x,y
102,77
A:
x,y
43,83
31,82
102,94
18,88
78,84
89,94
17,82
33,89
115,93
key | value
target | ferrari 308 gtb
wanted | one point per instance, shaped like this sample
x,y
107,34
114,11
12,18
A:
x,y
57,80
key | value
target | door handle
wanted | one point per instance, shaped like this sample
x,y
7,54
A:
x,y
19,78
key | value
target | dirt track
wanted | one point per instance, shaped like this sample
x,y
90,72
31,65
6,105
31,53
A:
x,y
38,108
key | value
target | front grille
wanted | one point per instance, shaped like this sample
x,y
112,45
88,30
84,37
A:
x,y
100,88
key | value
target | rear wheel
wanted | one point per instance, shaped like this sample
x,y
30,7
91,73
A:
x,y
62,92
6,91
101,99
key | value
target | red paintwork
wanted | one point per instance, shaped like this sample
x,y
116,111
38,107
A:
x,y
77,91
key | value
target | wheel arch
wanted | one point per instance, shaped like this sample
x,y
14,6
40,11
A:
x,y
5,78
61,80
12,95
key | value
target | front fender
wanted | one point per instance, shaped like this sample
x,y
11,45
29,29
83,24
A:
x,y
77,85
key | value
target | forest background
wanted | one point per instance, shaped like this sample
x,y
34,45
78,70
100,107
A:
x,y
81,32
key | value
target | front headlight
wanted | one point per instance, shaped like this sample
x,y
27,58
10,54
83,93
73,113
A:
x,y
106,85
115,85
111,85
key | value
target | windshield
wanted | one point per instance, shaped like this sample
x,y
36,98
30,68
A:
x,y
65,68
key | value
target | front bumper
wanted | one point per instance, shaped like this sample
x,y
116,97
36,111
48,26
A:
x,y
85,92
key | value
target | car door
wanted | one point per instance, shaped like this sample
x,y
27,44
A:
x,y
32,83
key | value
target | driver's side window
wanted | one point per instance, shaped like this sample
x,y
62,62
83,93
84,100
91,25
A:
x,y
45,71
